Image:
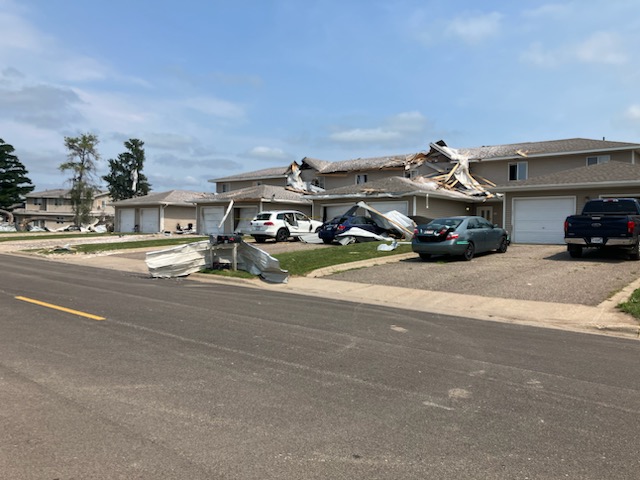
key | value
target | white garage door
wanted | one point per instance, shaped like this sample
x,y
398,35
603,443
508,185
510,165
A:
x,y
332,211
384,207
541,220
246,214
211,217
149,220
127,220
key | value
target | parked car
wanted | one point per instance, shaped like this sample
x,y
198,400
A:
x,y
464,235
280,225
344,223
605,223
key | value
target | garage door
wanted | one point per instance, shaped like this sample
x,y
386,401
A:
x,y
384,207
245,215
149,220
127,220
541,220
211,217
332,211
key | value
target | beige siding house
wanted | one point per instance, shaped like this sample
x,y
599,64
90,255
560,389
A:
x,y
169,211
52,210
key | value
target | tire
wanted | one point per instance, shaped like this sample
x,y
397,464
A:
x,y
327,241
634,253
318,229
469,252
282,235
425,256
260,239
504,244
575,251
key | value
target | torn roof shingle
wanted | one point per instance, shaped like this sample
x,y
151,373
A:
x,y
363,164
171,197
610,172
257,193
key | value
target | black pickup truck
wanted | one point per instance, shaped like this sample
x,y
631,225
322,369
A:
x,y
605,223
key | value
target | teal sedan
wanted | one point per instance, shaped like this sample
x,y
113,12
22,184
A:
x,y
461,236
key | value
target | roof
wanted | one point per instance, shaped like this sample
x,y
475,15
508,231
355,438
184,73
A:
x,y
610,174
274,172
393,187
547,148
257,193
171,197
57,193
363,164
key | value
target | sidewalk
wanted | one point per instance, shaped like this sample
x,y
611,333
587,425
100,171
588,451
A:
x,y
603,319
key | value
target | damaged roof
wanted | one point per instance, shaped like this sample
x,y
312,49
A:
x,y
171,197
610,174
57,193
379,163
394,187
532,149
258,193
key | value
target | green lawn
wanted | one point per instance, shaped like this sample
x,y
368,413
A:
x,y
632,306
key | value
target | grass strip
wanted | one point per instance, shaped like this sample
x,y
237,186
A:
x,y
632,306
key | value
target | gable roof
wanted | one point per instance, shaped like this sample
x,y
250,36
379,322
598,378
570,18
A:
x,y
257,193
604,174
58,193
274,172
172,197
569,146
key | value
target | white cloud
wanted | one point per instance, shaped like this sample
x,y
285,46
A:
x,y
475,29
600,48
399,129
268,152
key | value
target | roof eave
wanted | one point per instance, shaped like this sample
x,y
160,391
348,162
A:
x,y
565,186
555,154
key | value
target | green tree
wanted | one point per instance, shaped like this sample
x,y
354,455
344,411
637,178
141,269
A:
x,y
14,183
125,178
81,162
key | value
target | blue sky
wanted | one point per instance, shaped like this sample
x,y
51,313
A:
x,y
218,87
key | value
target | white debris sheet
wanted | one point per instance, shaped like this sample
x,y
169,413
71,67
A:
x,y
183,260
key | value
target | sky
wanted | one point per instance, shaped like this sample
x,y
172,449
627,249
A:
x,y
218,87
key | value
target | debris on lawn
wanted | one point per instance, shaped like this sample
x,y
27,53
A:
x,y
183,260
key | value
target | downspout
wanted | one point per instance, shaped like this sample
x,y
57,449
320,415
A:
x,y
161,213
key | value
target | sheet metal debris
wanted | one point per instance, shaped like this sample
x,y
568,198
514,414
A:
x,y
183,260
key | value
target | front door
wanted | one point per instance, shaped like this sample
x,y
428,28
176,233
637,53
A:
x,y
485,212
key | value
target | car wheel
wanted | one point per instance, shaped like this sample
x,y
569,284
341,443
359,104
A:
x,y
282,235
469,252
260,239
318,229
634,254
575,251
327,241
504,244
425,256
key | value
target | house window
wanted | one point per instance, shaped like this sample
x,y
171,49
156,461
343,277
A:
x,y
37,201
598,159
58,202
361,178
413,173
518,171
318,182
225,188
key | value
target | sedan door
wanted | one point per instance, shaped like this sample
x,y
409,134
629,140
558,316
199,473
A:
x,y
493,235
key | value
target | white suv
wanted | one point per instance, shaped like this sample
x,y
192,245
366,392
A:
x,y
281,225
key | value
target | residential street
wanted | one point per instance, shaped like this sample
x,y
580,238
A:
x,y
191,380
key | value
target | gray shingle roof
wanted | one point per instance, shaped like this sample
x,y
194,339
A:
x,y
171,197
610,172
56,193
361,164
274,172
559,147
256,193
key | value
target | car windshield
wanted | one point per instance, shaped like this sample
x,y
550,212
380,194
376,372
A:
x,y
263,216
444,222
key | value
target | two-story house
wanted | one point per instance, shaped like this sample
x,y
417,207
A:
x,y
52,209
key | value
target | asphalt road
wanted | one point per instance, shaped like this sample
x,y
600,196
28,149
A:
x,y
543,273
189,380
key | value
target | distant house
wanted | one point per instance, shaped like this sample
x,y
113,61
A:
x,y
157,212
52,209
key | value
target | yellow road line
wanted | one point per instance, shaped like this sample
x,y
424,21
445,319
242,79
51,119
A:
x,y
63,309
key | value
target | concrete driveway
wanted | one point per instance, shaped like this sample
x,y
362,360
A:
x,y
542,273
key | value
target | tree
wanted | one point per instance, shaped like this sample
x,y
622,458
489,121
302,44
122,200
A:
x,y
14,183
81,161
125,179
